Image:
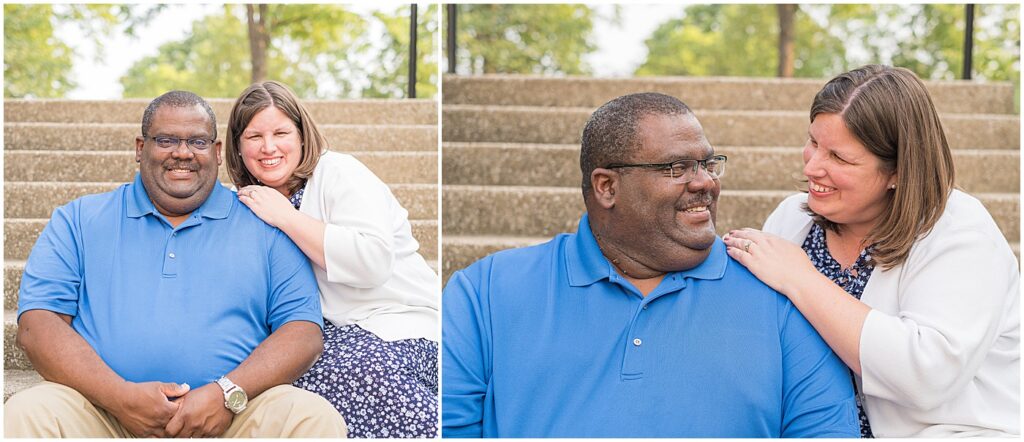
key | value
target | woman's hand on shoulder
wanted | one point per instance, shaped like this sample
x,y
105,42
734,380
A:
x,y
778,263
268,204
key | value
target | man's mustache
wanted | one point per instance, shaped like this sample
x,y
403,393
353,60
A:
x,y
701,199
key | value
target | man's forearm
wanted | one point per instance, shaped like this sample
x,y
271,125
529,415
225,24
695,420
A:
x,y
280,359
61,355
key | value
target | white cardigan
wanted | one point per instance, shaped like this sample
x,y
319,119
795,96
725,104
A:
x,y
374,277
940,349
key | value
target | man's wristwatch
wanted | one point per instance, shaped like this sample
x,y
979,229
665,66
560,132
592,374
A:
x,y
234,397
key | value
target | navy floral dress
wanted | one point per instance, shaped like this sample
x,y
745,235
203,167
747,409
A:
x,y
381,388
852,280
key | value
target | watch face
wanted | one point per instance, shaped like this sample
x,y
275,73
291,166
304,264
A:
x,y
236,399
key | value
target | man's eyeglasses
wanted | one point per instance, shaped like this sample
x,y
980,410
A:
x,y
195,144
682,171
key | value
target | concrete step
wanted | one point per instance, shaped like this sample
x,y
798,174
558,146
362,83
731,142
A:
x,y
17,380
38,199
121,136
749,168
564,125
21,234
14,357
711,93
547,211
418,167
461,251
131,110
12,280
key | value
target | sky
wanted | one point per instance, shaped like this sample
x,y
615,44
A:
x,y
620,48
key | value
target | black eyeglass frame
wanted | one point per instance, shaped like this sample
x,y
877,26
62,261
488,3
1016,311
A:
x,y
668,166
188,142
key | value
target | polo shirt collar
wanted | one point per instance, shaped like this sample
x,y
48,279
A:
x,y
216,206
583,258
586,264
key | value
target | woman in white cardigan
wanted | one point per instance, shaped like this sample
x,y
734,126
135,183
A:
x,y
378,295
932,331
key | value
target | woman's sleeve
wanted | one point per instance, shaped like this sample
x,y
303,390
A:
x,y
359,214
952,297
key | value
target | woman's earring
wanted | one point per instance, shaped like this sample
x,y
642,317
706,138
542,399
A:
x,y
892,186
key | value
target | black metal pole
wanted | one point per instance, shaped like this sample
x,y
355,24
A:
x,y
412,51
968,42
452,12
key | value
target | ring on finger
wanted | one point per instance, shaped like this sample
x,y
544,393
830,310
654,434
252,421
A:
x,y
746,245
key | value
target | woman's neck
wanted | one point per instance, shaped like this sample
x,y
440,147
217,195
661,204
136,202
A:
x,y
845,247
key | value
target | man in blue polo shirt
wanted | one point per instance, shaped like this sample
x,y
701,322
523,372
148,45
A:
x,y
639,324
166,307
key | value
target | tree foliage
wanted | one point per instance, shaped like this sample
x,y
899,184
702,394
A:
x,y
928,39
36,63
309,46
321,51
740,40
211,62
390,77
537,39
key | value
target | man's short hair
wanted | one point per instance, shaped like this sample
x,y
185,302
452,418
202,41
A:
x,y
610,135
177,99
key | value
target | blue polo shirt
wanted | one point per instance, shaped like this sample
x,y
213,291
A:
x,y
184,304
550,341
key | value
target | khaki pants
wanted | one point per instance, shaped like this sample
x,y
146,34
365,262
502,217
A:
x,y
54,410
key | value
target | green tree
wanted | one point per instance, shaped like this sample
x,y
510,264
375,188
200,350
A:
x,y
997,43
310,48
537,39
308,51
829,39
208,62
36,64
390,77
740,40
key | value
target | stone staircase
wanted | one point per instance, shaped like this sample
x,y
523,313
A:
x,y
58,150
511,150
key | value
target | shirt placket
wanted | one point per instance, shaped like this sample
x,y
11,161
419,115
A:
x,y
171,250
170,267
635,348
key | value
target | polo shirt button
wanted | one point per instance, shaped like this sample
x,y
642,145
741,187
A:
x,y
637,342
645,307
171,255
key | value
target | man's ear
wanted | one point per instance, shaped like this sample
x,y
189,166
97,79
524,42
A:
x,y
216,151
139,142
605,184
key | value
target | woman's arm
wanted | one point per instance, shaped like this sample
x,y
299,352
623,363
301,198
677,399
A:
x,y
274,209
948,308
354,243
783,266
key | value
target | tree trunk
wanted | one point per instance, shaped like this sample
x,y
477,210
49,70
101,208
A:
x,y
259,40
786,50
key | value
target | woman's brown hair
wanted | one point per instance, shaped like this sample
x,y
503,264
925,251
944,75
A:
x,y
891,113
256,98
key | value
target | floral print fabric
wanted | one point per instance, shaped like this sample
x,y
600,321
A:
x,y
852,280
382,389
